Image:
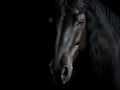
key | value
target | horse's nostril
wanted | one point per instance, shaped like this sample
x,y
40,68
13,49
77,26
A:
x,y
65,72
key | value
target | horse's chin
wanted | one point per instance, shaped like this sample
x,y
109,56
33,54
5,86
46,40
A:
x,y
66,81
63,82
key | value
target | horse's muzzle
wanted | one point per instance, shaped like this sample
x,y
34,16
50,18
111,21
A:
x,y
61,75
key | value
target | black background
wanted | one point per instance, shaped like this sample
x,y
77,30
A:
x,y
34,45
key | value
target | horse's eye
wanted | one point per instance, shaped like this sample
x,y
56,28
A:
x,y
80,22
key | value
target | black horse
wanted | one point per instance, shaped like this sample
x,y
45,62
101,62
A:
x,y
87,26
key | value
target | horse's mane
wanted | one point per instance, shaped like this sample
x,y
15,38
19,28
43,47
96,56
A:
x,y
104,40
104,14
104,36
79,4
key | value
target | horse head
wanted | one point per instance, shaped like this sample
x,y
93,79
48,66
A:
x,y
70,23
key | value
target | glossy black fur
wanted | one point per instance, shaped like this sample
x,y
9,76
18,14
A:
x,y
103,49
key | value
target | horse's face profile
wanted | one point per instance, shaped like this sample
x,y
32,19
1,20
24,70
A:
x,y
70,26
